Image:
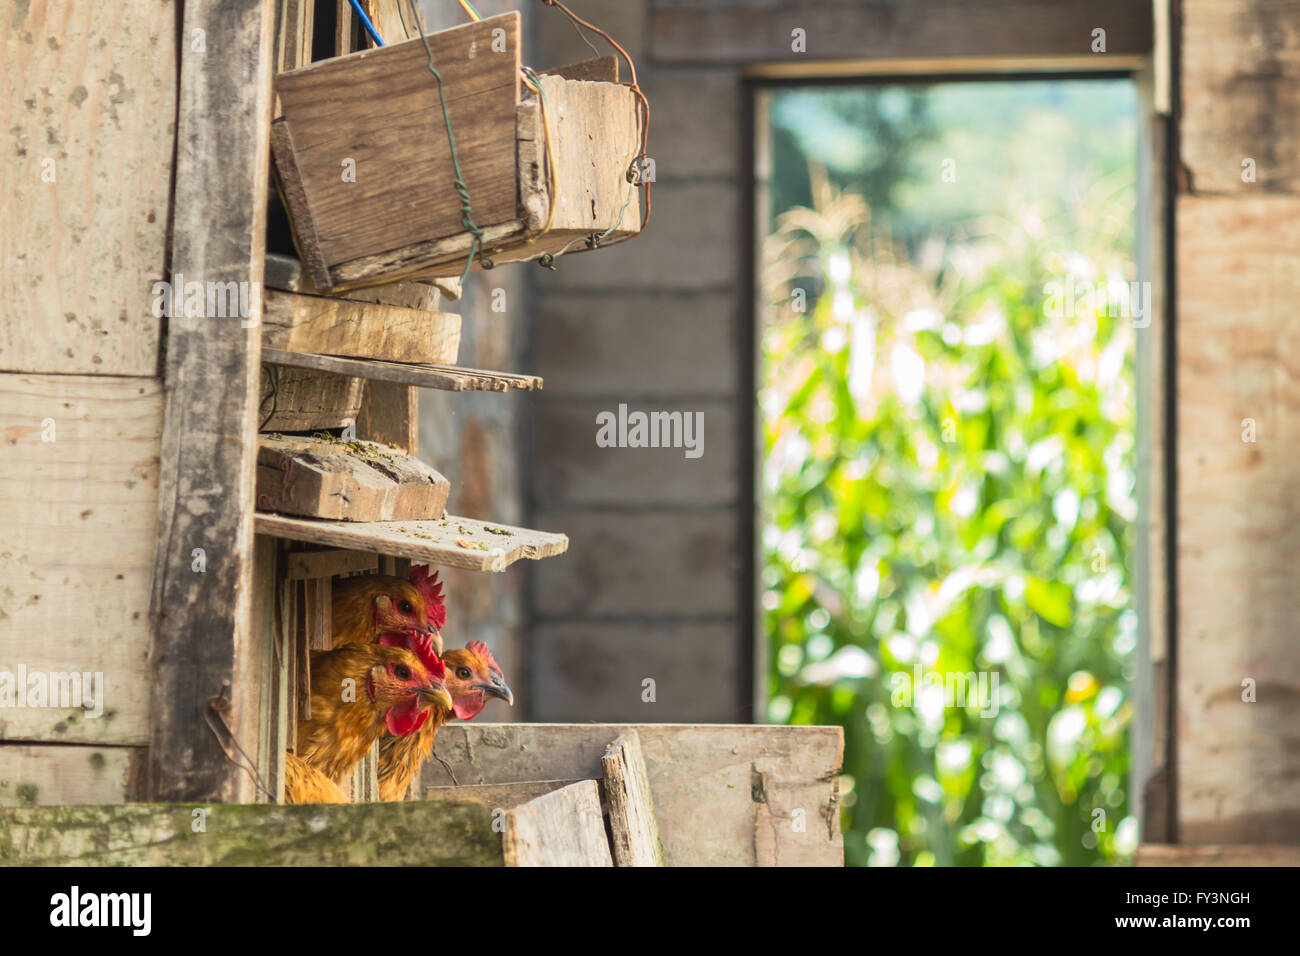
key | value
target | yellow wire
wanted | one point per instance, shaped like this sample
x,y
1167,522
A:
x,y
473,14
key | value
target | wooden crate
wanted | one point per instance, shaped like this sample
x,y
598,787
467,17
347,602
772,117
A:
x,y
377,114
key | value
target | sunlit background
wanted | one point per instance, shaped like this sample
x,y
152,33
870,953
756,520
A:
x,y
948,483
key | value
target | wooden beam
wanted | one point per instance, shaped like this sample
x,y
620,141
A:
x,y
311,323
448,377
874,29
40,775
633,829
327,564
413,833
1267,854
201,657
346,481
562,828
713,784
502,796
452,542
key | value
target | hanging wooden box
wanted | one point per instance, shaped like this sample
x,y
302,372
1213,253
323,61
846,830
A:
x,y
366,171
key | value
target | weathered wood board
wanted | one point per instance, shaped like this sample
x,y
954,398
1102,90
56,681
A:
x,y
346,481
312,323
1240,93
714,785
634,832
304,565
447,377
1267,854
299,400
561,828
379,112
498,796
35,775
451,542
88,105
78,504
1238,389
412,833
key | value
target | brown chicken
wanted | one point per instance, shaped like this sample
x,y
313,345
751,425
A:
x,y
472,677
303,783
360,691
381,608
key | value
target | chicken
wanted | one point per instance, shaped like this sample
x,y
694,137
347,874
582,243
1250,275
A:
x,y
360,691
381,608
472,677
303,783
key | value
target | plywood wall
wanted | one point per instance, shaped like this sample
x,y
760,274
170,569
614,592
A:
x,y
1238,421
87,105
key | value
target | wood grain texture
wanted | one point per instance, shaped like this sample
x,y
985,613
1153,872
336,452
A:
x,y
561,828
1238,777
309,323
202,659
78,504
875,30
601,69
56,776
381,110
1267,854
501,796
327,564
88,105
390,415
304,400
1240,95
634,832
447,377
710,782
386,834
452,542
346,481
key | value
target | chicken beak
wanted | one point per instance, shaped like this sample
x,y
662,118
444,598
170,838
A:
x,y
435,638
498,688
436,694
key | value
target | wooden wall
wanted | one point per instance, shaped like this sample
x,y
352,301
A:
x,y
87,102
1238,420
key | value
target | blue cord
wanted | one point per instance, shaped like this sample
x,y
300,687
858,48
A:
x,y
365,22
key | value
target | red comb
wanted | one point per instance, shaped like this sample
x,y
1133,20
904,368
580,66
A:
x,y
480,650
429,588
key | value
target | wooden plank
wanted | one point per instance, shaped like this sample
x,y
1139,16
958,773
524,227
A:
x,y
709,781
346,481
390,415
310,323
452,542
447,377
365,777
299,400
634,832
287,273
78,503
881,30
1240,96
560,828
413,833
601,69
88,103
498,796
55,776
1265,854
1237,597
303,565
201,655
381,109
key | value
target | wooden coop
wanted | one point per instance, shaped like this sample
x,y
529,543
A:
x,y
233,245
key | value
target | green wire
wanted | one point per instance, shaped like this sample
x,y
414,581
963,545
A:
x,y
466,219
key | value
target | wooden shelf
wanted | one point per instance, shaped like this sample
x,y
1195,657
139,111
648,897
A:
x,y
448,377
449,541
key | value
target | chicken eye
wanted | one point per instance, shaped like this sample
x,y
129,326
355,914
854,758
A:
x,y
462,673
405,607
402,671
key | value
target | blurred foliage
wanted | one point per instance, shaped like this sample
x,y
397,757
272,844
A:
x,y
949,489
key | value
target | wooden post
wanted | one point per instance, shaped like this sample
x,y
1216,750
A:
x,y
204,702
